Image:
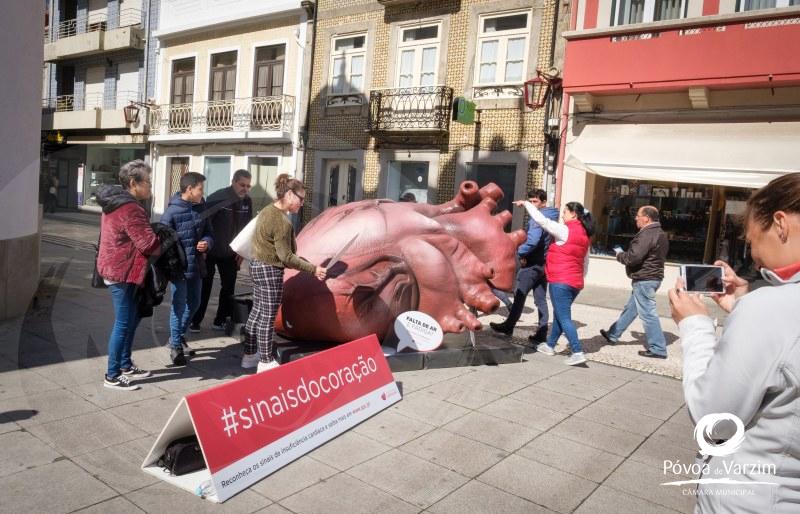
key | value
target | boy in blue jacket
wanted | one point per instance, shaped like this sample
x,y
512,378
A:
x,y
185,215
531,275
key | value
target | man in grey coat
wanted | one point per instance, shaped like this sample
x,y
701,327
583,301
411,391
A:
x,y
644,264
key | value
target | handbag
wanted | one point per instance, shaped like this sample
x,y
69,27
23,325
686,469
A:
x,y
97,280
183,456
243,242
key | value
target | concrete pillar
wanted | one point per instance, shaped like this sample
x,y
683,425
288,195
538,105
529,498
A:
x,y
20,132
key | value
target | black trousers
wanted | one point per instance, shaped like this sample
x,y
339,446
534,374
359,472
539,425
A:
x,y
227,275
530,279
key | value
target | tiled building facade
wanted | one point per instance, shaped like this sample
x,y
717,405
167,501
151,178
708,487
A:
x,y
384,60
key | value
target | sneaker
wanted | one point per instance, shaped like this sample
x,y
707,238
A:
x,y
502,328
121,383
194,327
265,366
575,359
176,356
250,360
188,351
545,349
648,353
219,327
539,337
607,337
134,373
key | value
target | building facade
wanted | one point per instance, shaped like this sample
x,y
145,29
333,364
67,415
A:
x,y
229,93
687,105
95,66
384,79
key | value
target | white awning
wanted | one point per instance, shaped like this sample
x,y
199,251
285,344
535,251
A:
x,y
728,154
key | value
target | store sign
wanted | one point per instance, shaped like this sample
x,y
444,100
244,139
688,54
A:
x,y
253,426
463,111
418,331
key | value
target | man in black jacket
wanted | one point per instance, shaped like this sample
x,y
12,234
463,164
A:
x,y
230,209
644,264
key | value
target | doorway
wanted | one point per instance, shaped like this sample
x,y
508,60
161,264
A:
x,y
340,182
264,170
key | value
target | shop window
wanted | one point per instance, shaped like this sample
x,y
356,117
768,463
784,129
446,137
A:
x,y
685,210
408,177
217,171
626,12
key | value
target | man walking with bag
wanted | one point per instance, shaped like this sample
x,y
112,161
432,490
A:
x,y
229,210
644,264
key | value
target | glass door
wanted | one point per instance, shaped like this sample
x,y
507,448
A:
x,y
217,171
504,175
408,177
340,182
264,171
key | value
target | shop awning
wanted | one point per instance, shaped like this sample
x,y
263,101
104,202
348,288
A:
x,y
729,154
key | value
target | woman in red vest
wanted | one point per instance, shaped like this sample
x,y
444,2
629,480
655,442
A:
x,y
565,266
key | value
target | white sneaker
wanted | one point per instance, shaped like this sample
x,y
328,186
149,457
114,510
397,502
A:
x,y
545,349
250,360
574,359
266,366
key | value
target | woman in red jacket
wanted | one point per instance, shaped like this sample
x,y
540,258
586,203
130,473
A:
x,y
565,266
126,242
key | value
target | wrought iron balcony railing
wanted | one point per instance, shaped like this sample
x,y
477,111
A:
x,y
266,113
425,108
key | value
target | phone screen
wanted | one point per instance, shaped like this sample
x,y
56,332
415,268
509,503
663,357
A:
x,y
703,279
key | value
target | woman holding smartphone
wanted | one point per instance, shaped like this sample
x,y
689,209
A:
x,y
565,265
751,373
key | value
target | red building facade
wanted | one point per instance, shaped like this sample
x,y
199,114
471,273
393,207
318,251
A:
x,y
687,105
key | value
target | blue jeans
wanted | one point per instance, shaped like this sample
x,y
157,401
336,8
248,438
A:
x,y
185,300
126,319
642,303
562,297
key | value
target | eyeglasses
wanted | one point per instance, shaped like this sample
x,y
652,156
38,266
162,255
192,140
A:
x,y
302,197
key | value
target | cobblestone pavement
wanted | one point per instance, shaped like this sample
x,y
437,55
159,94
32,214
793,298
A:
x,y
537,436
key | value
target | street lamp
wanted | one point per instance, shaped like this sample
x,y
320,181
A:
x,y
536,92
131,111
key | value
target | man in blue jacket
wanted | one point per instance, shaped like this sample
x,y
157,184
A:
x,y
531,275
185,215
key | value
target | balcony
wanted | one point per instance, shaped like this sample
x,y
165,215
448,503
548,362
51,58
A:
x,y
87,112
742,50
268,118
415,109
94,34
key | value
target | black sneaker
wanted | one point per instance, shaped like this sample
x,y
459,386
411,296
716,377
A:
x,y
219,327
121,383
176,356
539,337
607,337
502,328
188,351
194,327
134,373
648,353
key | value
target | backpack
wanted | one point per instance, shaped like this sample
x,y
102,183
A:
x,y
182,456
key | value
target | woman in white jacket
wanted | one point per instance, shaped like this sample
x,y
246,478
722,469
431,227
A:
x,y
753,371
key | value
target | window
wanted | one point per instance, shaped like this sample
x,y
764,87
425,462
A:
x,y
408,177
264,170
502,49
418,57
348,56
268,71
182,81
626,12
754,5
177,168
221,91
217,171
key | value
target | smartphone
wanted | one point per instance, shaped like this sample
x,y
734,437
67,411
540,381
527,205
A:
x,y
703,279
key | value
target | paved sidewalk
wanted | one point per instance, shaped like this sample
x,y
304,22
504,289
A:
x,y
537,436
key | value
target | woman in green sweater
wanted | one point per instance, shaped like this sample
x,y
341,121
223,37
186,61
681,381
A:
x,y
274,250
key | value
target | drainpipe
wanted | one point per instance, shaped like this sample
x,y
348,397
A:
x,y
305,135
562,144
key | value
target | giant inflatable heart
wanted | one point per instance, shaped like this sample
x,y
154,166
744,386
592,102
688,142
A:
x,y
442,260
